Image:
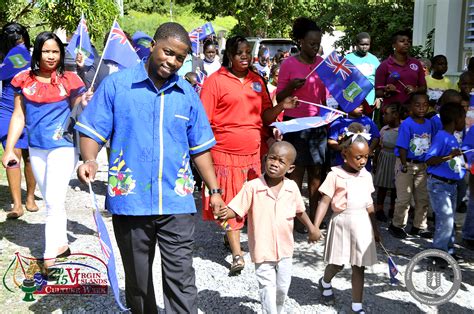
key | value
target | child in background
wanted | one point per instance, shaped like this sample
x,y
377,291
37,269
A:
x,y
414,140
468,228
352,229
338,129
449,96
437,83
271,201
466,82
445,169
262,64
385,174
426,64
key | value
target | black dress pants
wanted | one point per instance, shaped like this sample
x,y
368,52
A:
x,y
137,237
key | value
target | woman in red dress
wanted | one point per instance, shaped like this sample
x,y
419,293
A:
x,y
239,109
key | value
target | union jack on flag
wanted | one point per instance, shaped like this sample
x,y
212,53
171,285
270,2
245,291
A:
x,y
339,66
119,49
201,77
194,37
117,33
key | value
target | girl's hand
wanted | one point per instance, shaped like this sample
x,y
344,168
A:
x,y
314,234
290,102
9,159
86,172
87,96
80,60
277,134
377,236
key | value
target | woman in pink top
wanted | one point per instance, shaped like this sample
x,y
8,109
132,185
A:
x,y
400,75
310,143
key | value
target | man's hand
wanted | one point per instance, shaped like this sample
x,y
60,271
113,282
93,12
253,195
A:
x,y
219,208
86,172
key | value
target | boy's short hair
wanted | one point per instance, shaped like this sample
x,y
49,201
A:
x,y
395,106
415,95
289,147
437,58
450,112
448,95
361,36
174,30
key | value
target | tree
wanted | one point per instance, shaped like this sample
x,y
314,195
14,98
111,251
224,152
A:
x,y
65,14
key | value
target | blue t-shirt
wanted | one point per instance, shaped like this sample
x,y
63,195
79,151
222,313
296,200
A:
x,y
338,127
468,144
153,135
436,125
367,65
443,144
415,138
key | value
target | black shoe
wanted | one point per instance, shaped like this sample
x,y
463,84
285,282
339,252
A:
x,y
397,232
327,299
424,233
462,208
380,216
468,244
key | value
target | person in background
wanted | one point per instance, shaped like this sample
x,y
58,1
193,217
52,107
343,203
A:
x,y
44,98
261,66
211,60
366,62
311,144
400,75
426,64
437,83
14,35
466,82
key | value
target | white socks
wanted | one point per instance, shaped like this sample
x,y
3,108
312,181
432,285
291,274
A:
x,y
326,285
357,307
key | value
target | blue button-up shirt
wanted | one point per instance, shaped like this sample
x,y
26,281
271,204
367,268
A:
x,y
153,133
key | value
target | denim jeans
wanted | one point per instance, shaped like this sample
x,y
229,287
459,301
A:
x,y
443,201
468,228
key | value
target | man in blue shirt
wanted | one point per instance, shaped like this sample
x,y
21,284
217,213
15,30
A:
x,y
156,123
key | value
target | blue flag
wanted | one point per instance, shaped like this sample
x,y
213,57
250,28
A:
x,y
16,60
393,271
119,49
107,251
204,30
80,40
344,81
142,43
298,124
194,37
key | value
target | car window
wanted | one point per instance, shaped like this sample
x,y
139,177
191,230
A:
x,y
274,45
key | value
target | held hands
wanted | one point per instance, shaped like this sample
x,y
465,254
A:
x,y
9,159
219,208
314,234
86,172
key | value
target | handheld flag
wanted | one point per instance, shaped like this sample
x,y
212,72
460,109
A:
x,y
327,115
80,41
201,77
119,49
194,37
142,43
204,30
16,60
106,248
392,268
344,81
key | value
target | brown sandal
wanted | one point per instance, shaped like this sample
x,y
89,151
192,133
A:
x,y
238,264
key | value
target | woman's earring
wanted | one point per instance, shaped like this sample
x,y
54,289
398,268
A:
x,y
230,64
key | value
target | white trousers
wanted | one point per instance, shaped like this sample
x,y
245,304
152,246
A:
x,y
52,170
274,279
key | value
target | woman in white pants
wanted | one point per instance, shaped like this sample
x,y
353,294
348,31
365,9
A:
x,y
44,97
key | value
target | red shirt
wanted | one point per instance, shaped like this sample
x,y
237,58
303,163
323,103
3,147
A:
x,y
234,109
411,73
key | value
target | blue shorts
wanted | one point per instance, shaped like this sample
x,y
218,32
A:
x,y
22,141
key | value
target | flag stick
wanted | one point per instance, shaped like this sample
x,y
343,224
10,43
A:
x,y
80,33
314,69
322,106
102,56
467,151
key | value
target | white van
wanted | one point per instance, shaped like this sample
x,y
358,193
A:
x,y
273,44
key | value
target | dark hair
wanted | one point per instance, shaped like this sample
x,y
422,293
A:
x,y
207,43
470,65
417,94
174,30
346,140
465,97
466,74
189,76
302,26
402,33
37,52
361,36
448,96
262,50
450,112
274,68
395,106
437,58
231,47
11,34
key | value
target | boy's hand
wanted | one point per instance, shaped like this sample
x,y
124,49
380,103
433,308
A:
x,y
219,208
314,234
454,153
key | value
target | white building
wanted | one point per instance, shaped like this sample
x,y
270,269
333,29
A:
x,y
453,21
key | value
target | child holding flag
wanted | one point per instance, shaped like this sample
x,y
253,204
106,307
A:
x,y
352,230
445,169
270,202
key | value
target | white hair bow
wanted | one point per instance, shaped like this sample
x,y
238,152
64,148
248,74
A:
x,y
364,134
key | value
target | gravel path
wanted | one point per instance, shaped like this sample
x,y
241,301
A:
x,y
218,293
